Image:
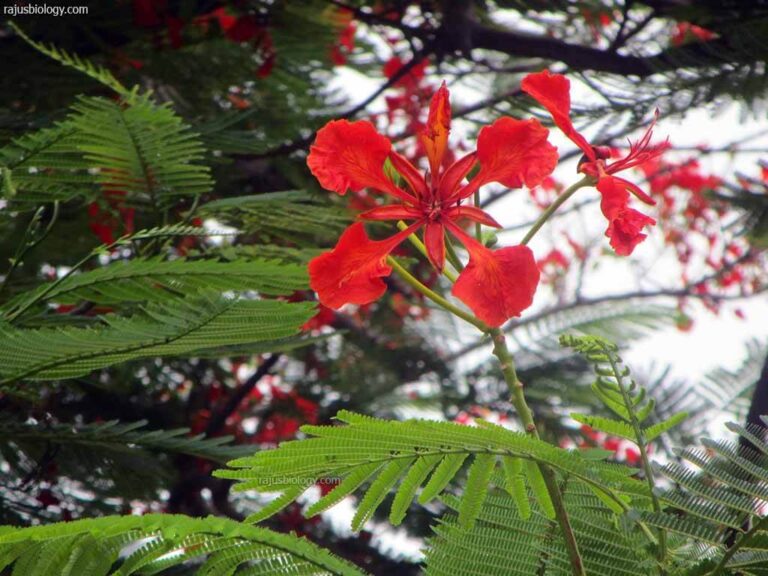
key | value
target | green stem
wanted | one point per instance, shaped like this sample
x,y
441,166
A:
x,y
504,356
452,256
184,222
419,245
414,283
760,525
27,243
646,463
552,208
478,226
11,316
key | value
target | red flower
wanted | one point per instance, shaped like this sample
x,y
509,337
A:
x,y
110,217
345,44
625,224
412,78
497,284
687,32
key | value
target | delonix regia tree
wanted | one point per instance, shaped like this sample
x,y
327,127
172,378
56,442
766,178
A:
x,y
240,297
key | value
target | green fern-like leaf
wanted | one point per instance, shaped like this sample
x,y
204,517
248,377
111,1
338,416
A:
x,y
539,489
515,486
718,501
294,215
146,280
476,489
378,491
98,73
141,149
159,543
177,328
113,435
411,483
619,393
503,543
44,166
383,452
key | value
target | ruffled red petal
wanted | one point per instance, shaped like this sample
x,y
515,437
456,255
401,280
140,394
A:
x,y
496,284
625,230
352,272
351,155
625,224
435,134
513,153
553,91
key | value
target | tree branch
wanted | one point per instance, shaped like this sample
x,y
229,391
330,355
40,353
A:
x,y
577,57
219,418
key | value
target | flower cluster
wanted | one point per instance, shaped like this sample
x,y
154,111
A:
x,y
345,41
692,224
496,284
625,224
157,16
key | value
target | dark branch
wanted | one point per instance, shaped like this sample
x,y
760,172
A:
x,y
577,57
219,418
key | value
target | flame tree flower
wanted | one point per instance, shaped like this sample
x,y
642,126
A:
x,y
625,224
496,284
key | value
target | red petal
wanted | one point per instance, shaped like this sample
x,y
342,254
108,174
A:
x,y
625,224
615,197
352,272
393,212
434,240
435,135
553,91
244,28
496,284
513,152
472,213
351,155
410,173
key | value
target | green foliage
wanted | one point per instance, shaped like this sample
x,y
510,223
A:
x,y
154,279
504,543
383,451
727,489
156,150
294,215
624,321
45,166
619,393
161,544
92,441
134,146
182,327
141,149
98,73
